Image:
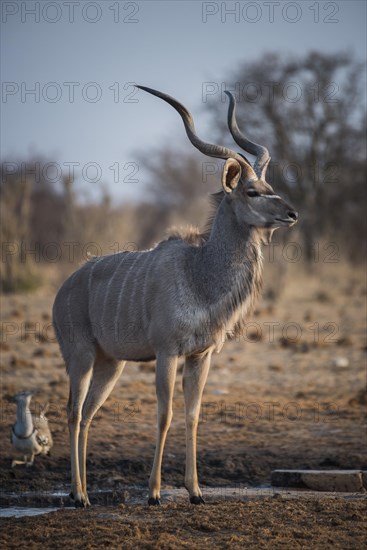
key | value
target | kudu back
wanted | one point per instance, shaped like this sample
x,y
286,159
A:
x,y
179,299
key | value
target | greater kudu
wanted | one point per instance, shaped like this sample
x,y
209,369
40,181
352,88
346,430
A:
x,y
181,299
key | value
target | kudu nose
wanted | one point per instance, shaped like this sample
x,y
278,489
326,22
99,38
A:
x,y
294,215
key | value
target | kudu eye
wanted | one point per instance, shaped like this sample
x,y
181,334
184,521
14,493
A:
x,y
253,193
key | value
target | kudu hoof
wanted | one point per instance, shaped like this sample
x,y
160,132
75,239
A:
x,y
80,504
154,502
197,500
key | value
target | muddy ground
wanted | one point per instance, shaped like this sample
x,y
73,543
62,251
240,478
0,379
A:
x,y
269,523
288,393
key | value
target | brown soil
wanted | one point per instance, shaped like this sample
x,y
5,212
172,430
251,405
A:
x,y
269,523
273,400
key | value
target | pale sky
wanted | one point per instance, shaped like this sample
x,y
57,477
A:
x,y
80,58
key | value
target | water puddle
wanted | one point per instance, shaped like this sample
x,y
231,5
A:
x,y
34,503
19,512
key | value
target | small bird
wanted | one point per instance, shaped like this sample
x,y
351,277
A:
x,y
30,436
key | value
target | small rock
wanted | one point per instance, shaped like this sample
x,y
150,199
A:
x,y
360,398
17,362
117,478
254,336
220,392
275,368
41,338
307,316
304,347
16,313
344,341
322,297
340,362
344,481
329,462
285,342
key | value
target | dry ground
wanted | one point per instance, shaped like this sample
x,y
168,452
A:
x,y
277,397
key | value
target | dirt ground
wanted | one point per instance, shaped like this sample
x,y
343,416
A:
x,y
269,523
288,393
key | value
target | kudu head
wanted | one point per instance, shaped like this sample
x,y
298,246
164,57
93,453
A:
x,y
252,199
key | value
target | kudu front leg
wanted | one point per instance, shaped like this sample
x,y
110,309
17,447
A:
x,y
194,377
165,381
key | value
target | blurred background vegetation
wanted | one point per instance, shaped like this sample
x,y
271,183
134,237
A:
x,y
309,112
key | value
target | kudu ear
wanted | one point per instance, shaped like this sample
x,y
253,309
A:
x,y
231,175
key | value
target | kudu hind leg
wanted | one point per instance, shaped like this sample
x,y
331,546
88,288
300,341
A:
x,y
80,373
105,375
194,377
165,381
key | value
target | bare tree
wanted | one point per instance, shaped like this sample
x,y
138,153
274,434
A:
x,y
310,112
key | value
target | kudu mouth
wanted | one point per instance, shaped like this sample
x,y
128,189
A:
x,y
289,220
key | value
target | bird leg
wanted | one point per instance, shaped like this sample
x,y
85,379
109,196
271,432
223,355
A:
x,y
18,462
30,463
